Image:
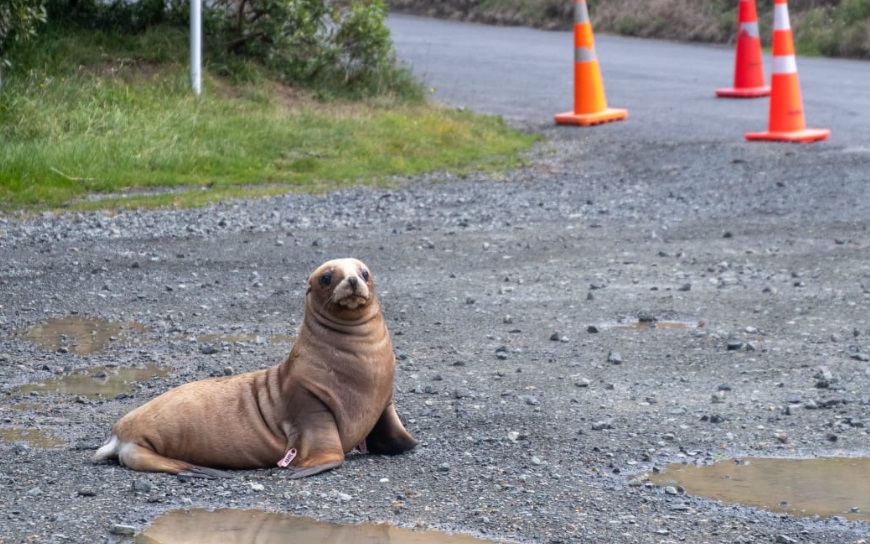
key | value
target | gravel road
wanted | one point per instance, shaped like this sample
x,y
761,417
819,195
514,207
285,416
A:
x,y
512,299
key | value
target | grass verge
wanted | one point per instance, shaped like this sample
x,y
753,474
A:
x,y
107,117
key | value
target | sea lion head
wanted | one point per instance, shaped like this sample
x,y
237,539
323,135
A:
x,y
342,287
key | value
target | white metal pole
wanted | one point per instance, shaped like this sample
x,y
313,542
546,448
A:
x,y
196,45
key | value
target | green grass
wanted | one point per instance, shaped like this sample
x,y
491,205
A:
x,y
95,115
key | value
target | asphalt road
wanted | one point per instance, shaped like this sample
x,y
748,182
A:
x,y
668,88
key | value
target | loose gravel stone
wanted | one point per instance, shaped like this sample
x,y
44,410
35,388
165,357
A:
x,y
122,530
141,485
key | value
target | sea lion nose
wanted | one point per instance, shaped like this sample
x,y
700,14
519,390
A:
x,y
353,281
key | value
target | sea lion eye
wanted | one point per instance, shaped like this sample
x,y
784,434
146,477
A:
x,y
326,279
365,275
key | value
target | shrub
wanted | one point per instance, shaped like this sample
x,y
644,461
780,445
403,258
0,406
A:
x,y
18,22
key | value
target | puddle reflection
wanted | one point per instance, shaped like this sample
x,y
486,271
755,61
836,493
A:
x,y
246,339
655,324
80,335
34,437
833,486
96,382
230,526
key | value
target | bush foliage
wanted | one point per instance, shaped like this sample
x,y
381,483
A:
x,y
18,22
330,45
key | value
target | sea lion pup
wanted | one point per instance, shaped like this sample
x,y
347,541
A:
x,y
334,392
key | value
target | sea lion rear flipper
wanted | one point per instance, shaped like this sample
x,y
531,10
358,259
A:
x,y
141,458
389,435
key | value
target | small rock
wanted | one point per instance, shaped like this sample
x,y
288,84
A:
x,y
87,492
601,425
824,373
141,485
582,382
228,371
122,530
507,319
531,400
783,539
556,337
536,460
444,467
671,490
734,345
207,349
718,397
257,487
592,329
614,357
344,497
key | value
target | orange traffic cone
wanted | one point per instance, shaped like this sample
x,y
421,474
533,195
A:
x,y
786,121
748,70
590,106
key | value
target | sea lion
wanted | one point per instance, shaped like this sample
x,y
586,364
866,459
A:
x,y
334,392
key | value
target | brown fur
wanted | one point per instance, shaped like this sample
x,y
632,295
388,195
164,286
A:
x,y
334,392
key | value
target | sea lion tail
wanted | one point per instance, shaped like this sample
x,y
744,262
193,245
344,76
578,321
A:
x,y
109,449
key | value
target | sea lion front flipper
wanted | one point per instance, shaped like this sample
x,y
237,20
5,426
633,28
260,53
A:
x,y
296,473
389,435
317,448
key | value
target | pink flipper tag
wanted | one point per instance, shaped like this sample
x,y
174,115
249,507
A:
x,y
288,458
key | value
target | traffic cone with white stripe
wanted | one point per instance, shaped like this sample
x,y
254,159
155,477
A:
x,y
748,69
590,106
786,121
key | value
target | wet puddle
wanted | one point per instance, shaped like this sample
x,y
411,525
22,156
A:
x,y
246,339
81,335
833,486
245,526
34,437
646,325
96,382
